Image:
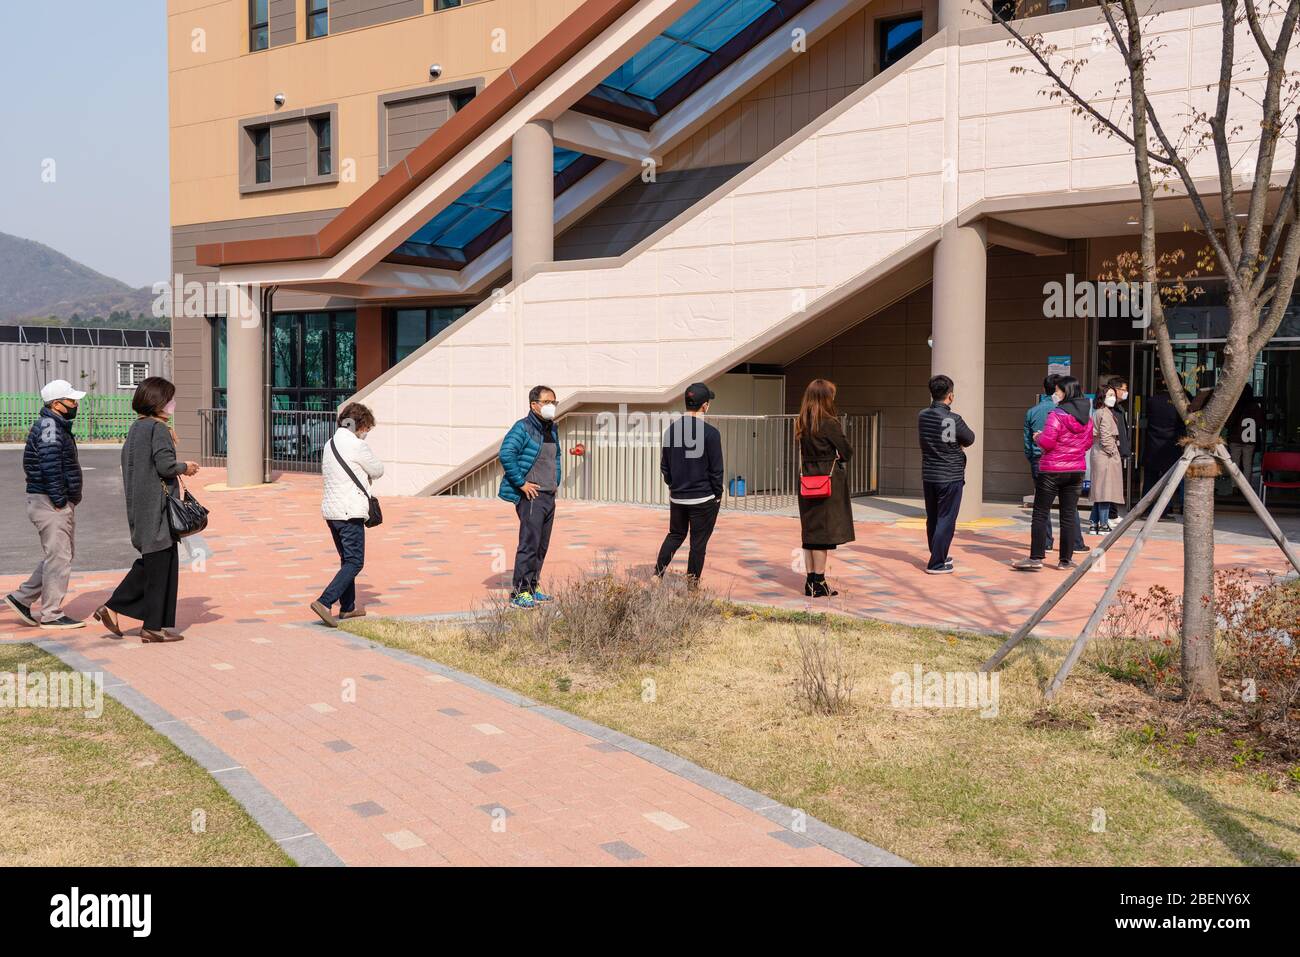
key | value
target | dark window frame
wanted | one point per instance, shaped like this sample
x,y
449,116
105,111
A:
x,y
261,136
259,31
431,321
323,131
297,394
312,117
315,9
885,24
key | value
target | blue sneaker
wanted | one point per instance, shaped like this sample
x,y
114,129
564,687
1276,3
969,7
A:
x,y
539,595
523,600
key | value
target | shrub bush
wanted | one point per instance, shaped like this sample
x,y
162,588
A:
x,y
605,620
824,684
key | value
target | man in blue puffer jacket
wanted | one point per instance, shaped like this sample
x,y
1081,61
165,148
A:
x,y
53,493
530,459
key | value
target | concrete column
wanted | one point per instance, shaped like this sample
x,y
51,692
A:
x,y
245,415
963,15
533,231
957,324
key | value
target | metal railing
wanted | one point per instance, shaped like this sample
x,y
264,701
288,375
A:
x,y
100,418
614,458
298,438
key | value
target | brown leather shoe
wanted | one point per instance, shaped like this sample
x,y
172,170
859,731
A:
x,y
356,613
150,637
324,615
106,618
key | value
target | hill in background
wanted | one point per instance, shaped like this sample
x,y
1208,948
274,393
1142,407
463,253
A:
x,y
41,284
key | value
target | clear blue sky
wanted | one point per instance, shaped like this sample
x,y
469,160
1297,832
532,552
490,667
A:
x,y
84,83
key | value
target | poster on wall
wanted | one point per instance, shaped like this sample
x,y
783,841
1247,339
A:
x,y
1058,365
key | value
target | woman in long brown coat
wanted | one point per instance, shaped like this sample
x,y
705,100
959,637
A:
x,y
1104,462
823,450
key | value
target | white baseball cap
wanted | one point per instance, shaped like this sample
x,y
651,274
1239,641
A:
x,y
60,389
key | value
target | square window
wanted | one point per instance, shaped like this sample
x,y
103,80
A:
x,y
897,39
131,374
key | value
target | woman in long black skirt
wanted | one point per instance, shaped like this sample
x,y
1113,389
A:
x,y
149,469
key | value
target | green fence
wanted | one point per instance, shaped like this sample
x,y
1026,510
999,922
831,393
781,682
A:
x,y
100,418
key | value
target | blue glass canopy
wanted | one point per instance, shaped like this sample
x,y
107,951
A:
x,y
480,209
670,56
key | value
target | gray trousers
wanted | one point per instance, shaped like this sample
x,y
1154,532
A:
x,y
56,528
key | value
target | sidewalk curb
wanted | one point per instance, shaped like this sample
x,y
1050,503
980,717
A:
x,y
297,840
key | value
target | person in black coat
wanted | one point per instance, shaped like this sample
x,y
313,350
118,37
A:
x,y
1164,428
53,494
150,470
691,464
944,436
825,521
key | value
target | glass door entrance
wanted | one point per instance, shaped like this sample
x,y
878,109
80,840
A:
x,y
1275,380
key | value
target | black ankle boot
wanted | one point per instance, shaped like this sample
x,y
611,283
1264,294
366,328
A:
x,y
820,589
808,584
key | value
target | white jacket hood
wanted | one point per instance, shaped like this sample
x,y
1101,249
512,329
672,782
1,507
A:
x,y
341,500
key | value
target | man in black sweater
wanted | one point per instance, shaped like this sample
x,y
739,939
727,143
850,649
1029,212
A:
x,y
691,464
945,436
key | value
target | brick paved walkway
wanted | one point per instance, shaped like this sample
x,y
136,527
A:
x,y
422,765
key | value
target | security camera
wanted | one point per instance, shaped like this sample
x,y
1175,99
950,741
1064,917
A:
x,y
435,71
280,99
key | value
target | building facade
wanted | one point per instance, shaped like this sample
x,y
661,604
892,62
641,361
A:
x,y
435,209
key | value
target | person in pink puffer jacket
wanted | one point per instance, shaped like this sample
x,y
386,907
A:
x,y
1065,441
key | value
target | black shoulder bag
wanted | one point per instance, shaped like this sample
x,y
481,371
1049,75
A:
x,y
376,513
185,516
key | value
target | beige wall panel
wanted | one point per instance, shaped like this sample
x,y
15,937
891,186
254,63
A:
x,y
283,22
410,122
210,91
289,150
354,14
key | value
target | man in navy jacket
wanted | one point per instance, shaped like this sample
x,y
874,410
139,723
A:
x,y
944,437
531,474
53,493
691,463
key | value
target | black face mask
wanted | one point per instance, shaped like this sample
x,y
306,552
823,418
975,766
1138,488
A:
x,y
69,414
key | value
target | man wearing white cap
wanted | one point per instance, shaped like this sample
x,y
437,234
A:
x,y
53,493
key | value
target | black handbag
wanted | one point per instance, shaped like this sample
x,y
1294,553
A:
x,y
185,515
376,516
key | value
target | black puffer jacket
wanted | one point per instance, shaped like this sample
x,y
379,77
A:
x,y
50,460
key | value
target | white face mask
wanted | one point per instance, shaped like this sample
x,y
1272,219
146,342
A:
x,y
548,411
1056,398
1110,402
1123,396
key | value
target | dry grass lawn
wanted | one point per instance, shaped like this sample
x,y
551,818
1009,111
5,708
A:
x,y
937,786
78,790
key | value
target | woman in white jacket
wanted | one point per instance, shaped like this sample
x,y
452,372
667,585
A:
x,y
345,505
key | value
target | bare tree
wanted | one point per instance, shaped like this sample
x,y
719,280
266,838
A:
x,y
1247,238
